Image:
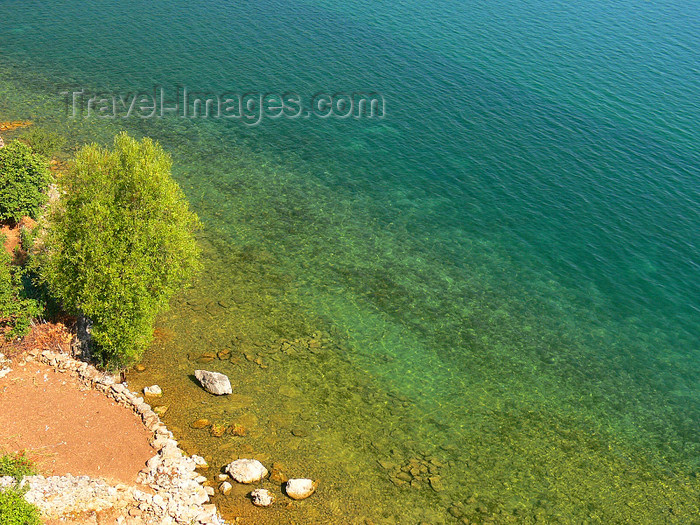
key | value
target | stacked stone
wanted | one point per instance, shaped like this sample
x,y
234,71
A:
x,y
57,496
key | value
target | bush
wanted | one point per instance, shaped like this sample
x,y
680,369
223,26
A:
x,y
16,465
14,509
17,307
43,141
24,177
119,243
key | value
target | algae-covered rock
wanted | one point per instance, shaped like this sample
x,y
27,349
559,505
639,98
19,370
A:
x,y
217,430
278,476
237,430
436,483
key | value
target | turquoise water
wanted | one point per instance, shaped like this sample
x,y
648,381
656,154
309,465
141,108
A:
x,y
504,270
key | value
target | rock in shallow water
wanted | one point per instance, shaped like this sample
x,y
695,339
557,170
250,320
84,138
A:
x,y
278,476
246,470
154,390
300,488
217,430
262,498
214,382
200,462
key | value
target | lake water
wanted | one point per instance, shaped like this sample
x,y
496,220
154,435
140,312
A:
x,y
482,307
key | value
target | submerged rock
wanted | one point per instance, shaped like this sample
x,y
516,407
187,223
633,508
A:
x,y
160,410
404,476
299,432
206,357
289,391
237,430
262,498
300,488
200,423
278,476
246,470
436,483
214,382
217,430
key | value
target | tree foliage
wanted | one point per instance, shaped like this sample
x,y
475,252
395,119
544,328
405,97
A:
x,y
119,242
17,307
24,177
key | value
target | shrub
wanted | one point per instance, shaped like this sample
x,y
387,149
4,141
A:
x,y
14,509
24,177
43,141
119,243
17,307
16,465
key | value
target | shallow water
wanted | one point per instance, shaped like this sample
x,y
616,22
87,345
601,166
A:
x,y
496,284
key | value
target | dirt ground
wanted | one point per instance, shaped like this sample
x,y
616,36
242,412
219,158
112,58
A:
x,y
66,428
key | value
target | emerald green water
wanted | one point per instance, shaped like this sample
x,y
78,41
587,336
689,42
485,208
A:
x,y
500,277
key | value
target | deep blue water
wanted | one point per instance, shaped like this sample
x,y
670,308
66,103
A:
x,y
515,245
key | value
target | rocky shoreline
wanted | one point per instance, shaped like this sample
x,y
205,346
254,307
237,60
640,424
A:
x,y
171,489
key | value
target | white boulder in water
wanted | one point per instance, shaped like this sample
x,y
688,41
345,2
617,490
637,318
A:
x,y
300,488
214,382
154,391
262,498
246,470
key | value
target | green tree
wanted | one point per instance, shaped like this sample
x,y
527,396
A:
x,y
118,243
24,177
17,307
